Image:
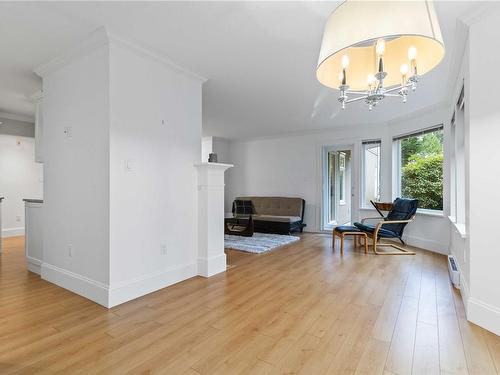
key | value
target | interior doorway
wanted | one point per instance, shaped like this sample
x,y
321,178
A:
x,y
337,186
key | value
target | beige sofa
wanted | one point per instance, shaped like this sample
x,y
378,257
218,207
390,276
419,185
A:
x,y
276,214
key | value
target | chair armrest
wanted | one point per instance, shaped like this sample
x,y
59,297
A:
x,y
371,218
379,225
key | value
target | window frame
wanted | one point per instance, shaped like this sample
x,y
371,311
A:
x,y
342,178
397,175
364,143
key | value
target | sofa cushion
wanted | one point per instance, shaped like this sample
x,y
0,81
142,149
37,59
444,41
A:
x,y
276,218
276,206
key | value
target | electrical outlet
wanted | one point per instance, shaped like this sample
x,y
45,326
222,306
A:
x,y
163,122
70,250
68,131
18,218
163,249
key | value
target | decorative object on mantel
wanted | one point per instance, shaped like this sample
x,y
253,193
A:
x,y
258,243
369,49
212,157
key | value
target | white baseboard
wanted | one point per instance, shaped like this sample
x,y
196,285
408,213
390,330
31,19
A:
x,y
129,290
34,265
12,232
464,292
211,266
426,244
484,315
84,286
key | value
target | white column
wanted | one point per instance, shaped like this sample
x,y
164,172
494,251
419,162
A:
x,y
211,256
36,98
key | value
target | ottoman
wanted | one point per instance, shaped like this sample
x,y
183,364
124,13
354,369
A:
x,y
347,230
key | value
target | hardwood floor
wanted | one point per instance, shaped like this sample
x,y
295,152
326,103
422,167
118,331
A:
x,y
298,310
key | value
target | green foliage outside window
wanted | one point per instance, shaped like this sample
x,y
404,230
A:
x,y
422,169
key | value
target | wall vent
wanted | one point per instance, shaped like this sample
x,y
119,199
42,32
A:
x,y
453,271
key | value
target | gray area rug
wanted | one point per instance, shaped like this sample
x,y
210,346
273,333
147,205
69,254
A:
x,y
258,243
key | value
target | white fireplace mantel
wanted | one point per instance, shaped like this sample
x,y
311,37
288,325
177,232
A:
x,y
211,256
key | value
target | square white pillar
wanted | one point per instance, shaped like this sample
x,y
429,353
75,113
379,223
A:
x,y
211,255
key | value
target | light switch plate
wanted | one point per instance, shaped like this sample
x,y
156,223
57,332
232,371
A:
x,y
129,165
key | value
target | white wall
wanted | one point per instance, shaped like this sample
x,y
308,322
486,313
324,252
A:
x,y
76,176
206,148
156,125
290,165
484,178
20,177
120,191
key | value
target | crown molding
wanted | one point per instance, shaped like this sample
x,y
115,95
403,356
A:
x,y
16,117
95,40
152,55
102,37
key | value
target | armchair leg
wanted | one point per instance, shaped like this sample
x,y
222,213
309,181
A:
x,y
341,244
333,240
401,251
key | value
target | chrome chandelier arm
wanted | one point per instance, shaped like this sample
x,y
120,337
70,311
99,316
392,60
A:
x,y
356,99
376,93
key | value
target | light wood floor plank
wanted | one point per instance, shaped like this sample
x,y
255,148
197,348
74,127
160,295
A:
x,y
300,309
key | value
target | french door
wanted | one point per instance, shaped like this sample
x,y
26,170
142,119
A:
x,y
336,186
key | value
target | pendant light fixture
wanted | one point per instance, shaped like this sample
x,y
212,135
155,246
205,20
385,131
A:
x,y
377,49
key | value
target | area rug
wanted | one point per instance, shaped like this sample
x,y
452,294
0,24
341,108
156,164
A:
x,y
258,243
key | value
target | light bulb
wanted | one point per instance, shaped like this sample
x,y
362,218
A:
x,y
404,69
345,61
412,53
380,47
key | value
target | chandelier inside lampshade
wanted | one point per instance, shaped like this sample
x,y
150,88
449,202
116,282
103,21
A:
x,y
375,49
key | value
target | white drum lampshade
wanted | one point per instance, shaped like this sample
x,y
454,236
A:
x,y
409,30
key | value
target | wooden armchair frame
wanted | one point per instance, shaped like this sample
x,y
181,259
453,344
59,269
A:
x,y
376,242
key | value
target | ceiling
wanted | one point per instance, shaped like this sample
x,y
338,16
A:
x,y
259,57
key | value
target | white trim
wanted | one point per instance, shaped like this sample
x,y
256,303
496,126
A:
x,y
426,244
101,37
211,266
95,40
464,291
34,265
140,286
12,232
81,285
153,55
427,212
460,228
484,315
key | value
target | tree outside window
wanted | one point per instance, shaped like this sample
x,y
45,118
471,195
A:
x,y
421,158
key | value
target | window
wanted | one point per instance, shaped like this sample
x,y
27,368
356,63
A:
x,y
419,167
370,180
341,177
330,199
457,162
